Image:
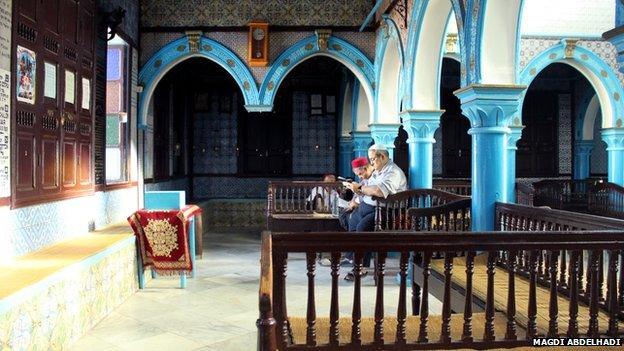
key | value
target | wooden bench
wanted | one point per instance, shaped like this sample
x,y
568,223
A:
x,y
291,206
63,290
509,318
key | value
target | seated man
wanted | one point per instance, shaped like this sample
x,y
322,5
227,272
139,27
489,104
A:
x,y
321,198
386,179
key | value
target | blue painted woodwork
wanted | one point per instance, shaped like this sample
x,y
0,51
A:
x,y
489,109
420,127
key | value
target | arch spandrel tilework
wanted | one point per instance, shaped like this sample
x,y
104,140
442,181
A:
x,y
338,49
604,78
178,51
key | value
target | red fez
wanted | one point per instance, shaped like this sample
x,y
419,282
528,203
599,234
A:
x,y
359,162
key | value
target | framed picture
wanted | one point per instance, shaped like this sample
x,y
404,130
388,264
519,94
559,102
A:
x,y
26,80
70,87
49,80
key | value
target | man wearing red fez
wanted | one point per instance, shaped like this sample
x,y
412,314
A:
x,y
386,179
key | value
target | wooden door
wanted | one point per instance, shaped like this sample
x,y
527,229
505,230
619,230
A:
x,y
53,132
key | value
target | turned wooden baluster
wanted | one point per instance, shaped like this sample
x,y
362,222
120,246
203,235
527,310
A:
x,y
532,308
424,309
613,304
592,331
510,333
415,287
378,218
402,308
356,315
562,277
553,310
334,311
311,311
601,277
467,332
621,288
581,273
574,293
540,266
445,336
488,334
379,300
589,279
279,298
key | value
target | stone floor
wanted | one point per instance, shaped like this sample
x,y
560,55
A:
x,y
219,308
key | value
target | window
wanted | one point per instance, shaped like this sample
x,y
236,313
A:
x,y
117,139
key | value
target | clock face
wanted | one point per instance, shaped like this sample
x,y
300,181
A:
x,y
258,34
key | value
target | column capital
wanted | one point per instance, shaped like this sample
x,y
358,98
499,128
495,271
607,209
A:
x,y
421,125
345,143
490,105
614,138
384,133
514,135
583,146
361,140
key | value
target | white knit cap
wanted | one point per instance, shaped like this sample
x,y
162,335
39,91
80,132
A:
x,y
378,147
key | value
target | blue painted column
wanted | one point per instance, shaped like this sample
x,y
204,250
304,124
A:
x,y
614,138
384,134
420,127
489,109
582,164
512,140
361,140
345,154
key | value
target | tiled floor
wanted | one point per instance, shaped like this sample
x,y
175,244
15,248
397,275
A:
x,y
219,308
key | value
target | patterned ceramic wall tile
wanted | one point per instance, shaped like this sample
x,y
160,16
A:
x,y
239,13
216,137
437,153
234,213
314,138
565,134
237,42
598,157
64,311
31,228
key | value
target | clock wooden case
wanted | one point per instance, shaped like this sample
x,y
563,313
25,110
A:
x,y
258,50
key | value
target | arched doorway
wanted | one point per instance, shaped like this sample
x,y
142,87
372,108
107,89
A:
x,y
192,128
548,140
300,136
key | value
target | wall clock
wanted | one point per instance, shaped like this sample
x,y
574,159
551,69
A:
x,y
258,48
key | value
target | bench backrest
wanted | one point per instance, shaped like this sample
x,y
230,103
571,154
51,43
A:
x,y
392,212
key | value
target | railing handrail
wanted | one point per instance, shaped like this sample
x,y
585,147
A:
x,y
440,209
571,219
442,241
406,194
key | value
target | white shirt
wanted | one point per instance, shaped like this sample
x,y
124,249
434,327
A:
x,y
390,180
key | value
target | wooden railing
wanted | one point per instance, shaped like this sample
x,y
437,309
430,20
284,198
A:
x,y
563,194
516,326
455,186
302,197
513,217
452,216
606,199
392,212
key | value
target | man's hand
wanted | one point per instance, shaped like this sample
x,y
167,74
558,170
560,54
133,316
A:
x,y
352,205
355,187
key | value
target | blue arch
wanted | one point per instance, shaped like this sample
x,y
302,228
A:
x,y
178,51
602,77
338,49
389,30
